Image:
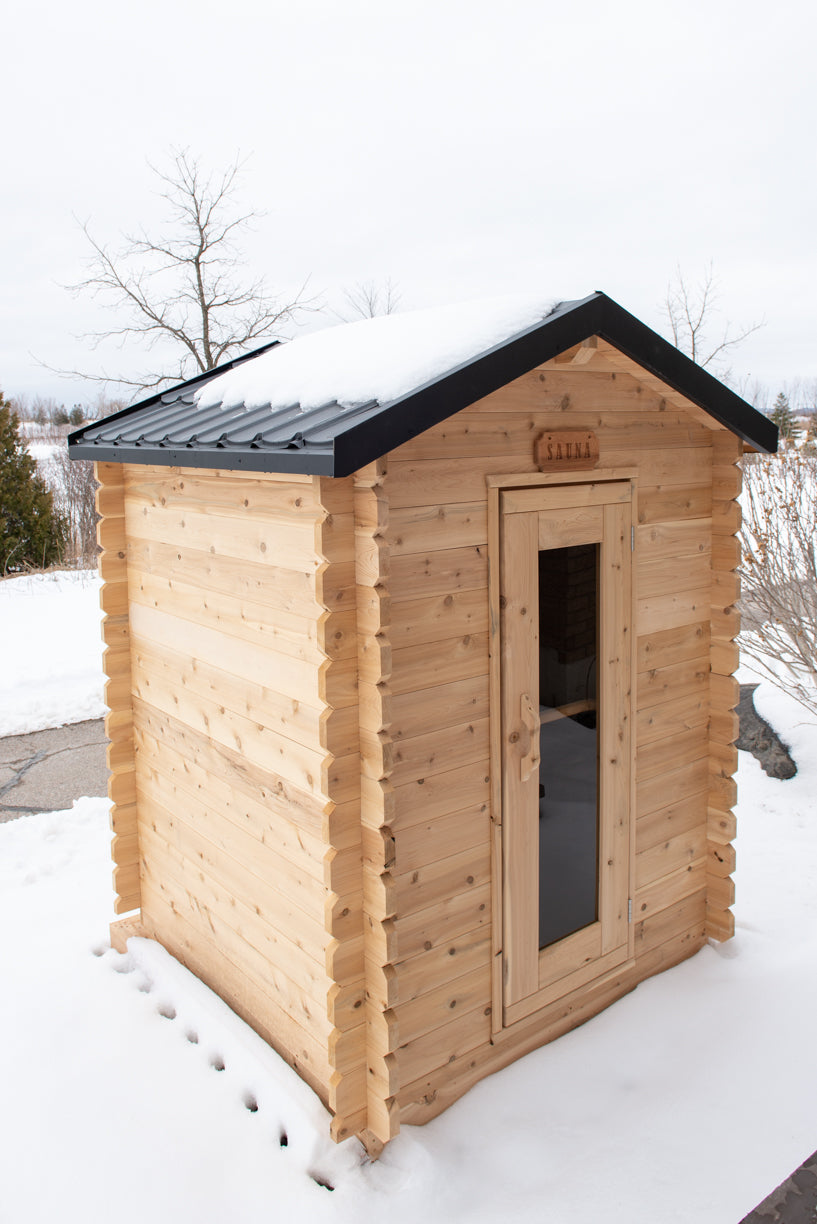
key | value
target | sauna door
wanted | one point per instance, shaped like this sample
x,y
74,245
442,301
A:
x,y
566,684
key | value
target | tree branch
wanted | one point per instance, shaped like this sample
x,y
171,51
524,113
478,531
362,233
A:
x,y
183,288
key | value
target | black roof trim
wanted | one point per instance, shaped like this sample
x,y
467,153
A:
x,y
350,438
169,395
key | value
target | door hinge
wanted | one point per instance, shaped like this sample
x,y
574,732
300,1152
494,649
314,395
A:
x,y
630,910
632,539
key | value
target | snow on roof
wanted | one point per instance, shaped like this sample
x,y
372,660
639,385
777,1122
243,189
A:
x,y
378,359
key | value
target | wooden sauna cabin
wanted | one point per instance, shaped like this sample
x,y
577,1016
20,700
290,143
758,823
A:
x,y
420,644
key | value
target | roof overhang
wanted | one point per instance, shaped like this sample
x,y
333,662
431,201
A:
x,y
348,441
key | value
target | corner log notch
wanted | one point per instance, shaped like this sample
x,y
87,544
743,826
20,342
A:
x,y
337,639
376,802
724,688
116,664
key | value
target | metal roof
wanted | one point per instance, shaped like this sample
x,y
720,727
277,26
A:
x,y
169,429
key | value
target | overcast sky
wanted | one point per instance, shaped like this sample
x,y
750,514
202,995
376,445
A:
x,y
461,148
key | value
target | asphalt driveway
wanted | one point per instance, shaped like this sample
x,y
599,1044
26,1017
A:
x,y
47,770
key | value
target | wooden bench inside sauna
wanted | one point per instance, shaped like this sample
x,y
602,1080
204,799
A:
x,y
420,643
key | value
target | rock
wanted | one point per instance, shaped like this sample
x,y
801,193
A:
x,y
757,737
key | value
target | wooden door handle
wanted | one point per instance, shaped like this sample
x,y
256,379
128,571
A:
x,y
530,726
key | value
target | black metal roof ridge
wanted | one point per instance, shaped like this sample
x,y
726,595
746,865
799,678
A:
x,y
354,442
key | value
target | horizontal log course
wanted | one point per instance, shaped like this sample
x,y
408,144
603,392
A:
x,y
720,892
678,816
437,839
447,661
246,996
655,758
721,825
720,858
720,924
287,913
676,610
427,929
127,882
428,1095
683,882
725,623
659,505
247,619
681,782
438,707
446,1046
725,657
666,857
436,618
438,795
334,731
286,589
241,496
124,929
662,577
663,647
673,682
471,992
416,529
299,807
264,746
426,886
439,750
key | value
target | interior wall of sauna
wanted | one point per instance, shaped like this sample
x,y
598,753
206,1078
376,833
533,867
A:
x,y
231,773
438,541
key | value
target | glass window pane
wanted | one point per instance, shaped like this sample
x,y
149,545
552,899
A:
x,y
568,773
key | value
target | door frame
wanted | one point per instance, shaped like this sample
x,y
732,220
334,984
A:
x,y
507,1012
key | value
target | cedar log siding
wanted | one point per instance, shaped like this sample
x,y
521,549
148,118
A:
x,y
243,676
436,527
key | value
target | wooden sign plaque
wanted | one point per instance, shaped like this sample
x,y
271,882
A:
x,y
566,450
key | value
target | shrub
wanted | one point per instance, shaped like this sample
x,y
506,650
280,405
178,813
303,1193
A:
x,y
32,534
779,572
75,490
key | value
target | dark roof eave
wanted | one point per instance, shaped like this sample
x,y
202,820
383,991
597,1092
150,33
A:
x,y
633,338
597,315
298,461
74,439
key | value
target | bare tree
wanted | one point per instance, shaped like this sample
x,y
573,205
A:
x,y
75,494
691,312
367,299
779,572
181,289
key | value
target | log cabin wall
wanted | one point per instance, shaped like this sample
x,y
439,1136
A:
x,y
443,1035
242,769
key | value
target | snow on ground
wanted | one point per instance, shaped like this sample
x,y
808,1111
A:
x,y
688,1100
50,651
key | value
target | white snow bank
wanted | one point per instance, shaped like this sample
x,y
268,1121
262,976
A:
x,y
374,359
690,1099
50,651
